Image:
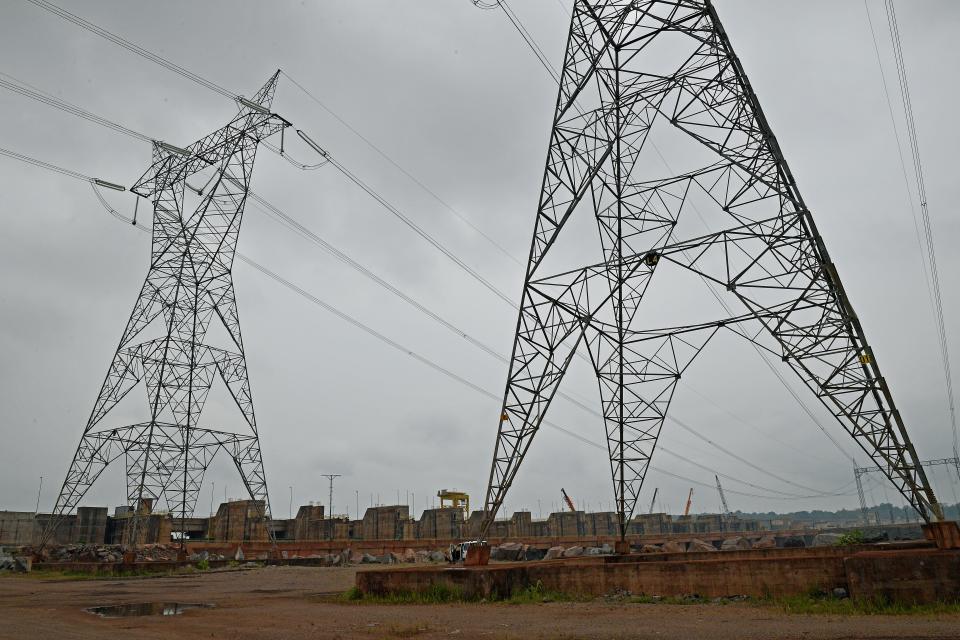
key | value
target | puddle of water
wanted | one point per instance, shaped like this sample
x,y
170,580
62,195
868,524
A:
x,y
145,609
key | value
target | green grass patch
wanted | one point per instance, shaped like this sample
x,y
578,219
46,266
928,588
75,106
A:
x,y
440,594
65,576
810,604
434,594
68,575
72,576
536,593
672,600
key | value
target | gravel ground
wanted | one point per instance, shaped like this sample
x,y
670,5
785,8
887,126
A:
x,y
302,602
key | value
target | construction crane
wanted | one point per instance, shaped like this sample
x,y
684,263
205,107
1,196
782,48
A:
x,y
725,514
723,498
653,500
567,499
686,510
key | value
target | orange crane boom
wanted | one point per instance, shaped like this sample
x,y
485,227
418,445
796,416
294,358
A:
x,y
567,499
686,510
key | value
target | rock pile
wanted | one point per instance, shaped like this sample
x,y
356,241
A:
x,y
107,553
350,556
513,551
700,545
739,543
735,544
6,560
508,552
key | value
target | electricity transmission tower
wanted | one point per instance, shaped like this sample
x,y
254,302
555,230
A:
x,y
632,67
859,472
166,345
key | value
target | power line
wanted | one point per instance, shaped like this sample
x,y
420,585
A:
x,y
423,234
458,378
45,165
46,98
420,231
392,343
406,173
386,204
93,28
903,164
66,106
524,33
19,86
286,219
133,48
209,84
924,211
280,216
738,458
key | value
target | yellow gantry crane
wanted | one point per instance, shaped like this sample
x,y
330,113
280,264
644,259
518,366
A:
x,y
456,499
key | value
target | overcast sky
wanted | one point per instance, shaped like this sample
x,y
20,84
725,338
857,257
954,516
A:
x,y
453,95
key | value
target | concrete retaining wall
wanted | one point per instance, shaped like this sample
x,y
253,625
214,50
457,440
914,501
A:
x,y
932,576
915,575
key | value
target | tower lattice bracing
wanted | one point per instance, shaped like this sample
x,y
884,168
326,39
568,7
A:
x,y
164,348
632,67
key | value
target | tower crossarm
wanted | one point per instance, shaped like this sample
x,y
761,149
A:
x,y
173,165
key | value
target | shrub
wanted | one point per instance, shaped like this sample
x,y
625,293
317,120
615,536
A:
x,y
854,537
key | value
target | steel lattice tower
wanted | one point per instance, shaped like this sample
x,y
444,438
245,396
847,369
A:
x,y
630,65
188,286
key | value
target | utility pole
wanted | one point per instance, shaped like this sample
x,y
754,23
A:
x,y
330,477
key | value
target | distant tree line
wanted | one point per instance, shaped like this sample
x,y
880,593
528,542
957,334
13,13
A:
x,y
886,512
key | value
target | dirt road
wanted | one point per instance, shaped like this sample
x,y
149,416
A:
x,y
301,602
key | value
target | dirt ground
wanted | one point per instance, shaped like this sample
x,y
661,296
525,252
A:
x,y
302,602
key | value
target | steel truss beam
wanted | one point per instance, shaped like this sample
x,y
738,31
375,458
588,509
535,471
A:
x,y
631,64
188,286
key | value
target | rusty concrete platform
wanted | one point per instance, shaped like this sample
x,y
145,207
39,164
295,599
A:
x,y
901,573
